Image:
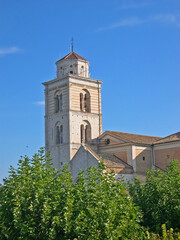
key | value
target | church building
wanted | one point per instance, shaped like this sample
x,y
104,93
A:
x,y
73,128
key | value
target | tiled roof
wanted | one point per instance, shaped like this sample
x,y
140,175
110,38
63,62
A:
x,y
134,138
72,55
111,162
171,138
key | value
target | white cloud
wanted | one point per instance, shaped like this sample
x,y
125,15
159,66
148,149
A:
x,y
39,103
10,50
167,18
130,22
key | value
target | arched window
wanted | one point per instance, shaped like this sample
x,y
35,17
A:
x,y
82,133
85,101
81,101
61,134
85,132
57,135
60,102
56,104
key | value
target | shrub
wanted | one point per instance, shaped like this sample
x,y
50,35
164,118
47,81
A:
x,y
37,202
159,198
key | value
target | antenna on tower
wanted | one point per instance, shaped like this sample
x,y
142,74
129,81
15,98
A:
x,y
72,44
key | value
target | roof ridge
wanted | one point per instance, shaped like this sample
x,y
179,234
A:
x,y
75,56
133,134
167,136
92,151
127,165
125,140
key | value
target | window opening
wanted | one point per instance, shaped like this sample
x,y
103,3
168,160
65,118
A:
x,y
60,103
82,133
81,101
57,135
107,141
56,104
86,134
85,102
61,134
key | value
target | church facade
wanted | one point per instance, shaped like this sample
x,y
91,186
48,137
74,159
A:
x,y
73,128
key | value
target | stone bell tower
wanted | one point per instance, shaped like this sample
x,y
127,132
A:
x,y
72,109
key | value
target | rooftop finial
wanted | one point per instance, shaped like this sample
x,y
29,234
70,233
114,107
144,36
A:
x,y
72,44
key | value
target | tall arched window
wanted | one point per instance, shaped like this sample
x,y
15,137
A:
x,y
61,134
81,101
56,103
57,135
82,133
60,102
85,132
85,101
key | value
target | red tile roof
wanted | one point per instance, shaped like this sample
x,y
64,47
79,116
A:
x,y
134,138
171,138
72,55
111,162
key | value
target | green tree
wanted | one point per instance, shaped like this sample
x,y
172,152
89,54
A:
x,y
103,209
37,202
32,199
159,198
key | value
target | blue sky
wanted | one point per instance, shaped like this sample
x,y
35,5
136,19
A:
x,y
132,45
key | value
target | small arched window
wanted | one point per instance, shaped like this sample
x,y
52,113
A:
x,y
60,102
56,104
85,101
57,135
82,133
87,133
61,134
81,101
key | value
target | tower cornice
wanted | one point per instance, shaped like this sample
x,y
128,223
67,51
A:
x,y
70,77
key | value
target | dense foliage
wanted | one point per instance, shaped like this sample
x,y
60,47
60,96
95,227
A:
x,y
166,234
159,198
37,202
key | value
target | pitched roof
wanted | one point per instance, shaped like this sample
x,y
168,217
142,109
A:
x,y
72,55
111,162
134,138
171,138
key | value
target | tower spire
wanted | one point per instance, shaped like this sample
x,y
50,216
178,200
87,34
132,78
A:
x,y
72,45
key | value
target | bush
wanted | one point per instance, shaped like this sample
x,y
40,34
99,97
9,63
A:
x,y
38,202
166,234
159,198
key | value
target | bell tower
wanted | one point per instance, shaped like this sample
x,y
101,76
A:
x,y
72,109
